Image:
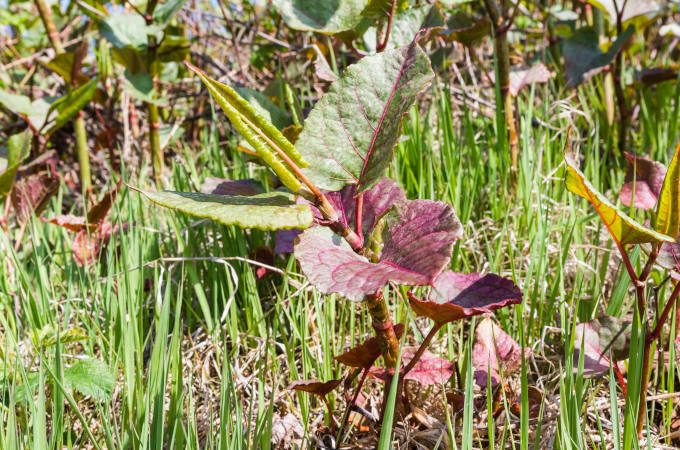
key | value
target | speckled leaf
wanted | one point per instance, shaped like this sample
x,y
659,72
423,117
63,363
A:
x,y
667,216
601,338
327,17
269,211
526,76
494,352
643,182
623,228
429,370
418,236
456,296
315,387
267,140
365,354
350,135
583,57
18,148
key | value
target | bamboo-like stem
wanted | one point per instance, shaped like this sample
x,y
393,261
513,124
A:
x,y
155,142
82,151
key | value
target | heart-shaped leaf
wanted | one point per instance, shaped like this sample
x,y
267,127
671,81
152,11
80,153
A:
x,y
494,353
350,135
18,148
125,30
583,58
270,211
429,370
667,216
623,228
601,338
267,140
365,354
315,387
330,17
643,182
418,236
457,296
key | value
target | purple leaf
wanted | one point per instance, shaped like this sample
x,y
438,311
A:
x,y
494,352
669,257
284,240
643,182
418,238
223,186
429,370
457,295
601,338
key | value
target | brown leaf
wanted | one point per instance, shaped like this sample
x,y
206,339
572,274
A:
x,y
99,211
494,351
70,222
535,398
315,387
31,194
365,354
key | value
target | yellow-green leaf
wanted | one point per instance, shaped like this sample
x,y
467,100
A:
x,y
623,228
667,217
271,211
271,145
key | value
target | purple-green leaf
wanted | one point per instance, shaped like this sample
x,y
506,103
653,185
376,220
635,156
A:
x,y
418,236
494,353
601,339
457,296
643,182
350,135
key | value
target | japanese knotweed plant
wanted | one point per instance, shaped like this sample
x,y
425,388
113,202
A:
x,y
352,229
649,186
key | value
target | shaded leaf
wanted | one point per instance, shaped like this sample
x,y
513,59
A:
x,y
381,8
272,146
667,215
464,29
669,256
418,235
62,65
535,399
583,58
31,194
643,182
90,377
622,228
655,75
601,338
429,370
350,135
327,17
365,354
18,149
315,387
457,295
223,186
494,353
284,241
269,211
526,76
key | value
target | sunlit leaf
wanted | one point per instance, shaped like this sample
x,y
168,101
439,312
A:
x,y
667,216
69,105
630,10
350,135
406,24
18,148
494,353
429,370
125,30
164,12
91,377
272,146
623,228
269,211
521,77
31,194
382,8
315,387
327,17
456,296
365,354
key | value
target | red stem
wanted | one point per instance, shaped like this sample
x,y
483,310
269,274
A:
x,y
359,218
654,335
382,46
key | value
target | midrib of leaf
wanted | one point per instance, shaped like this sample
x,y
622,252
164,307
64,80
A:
x,y
376,130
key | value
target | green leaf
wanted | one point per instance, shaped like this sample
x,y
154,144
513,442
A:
x,y
140,86
381,8
18,103
465,29
125,30
69,105
266,107
330,17
18,148
639,12
271,145
667,217
406,24
350,135
165,12
583,58
271,211
623,229
90,377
